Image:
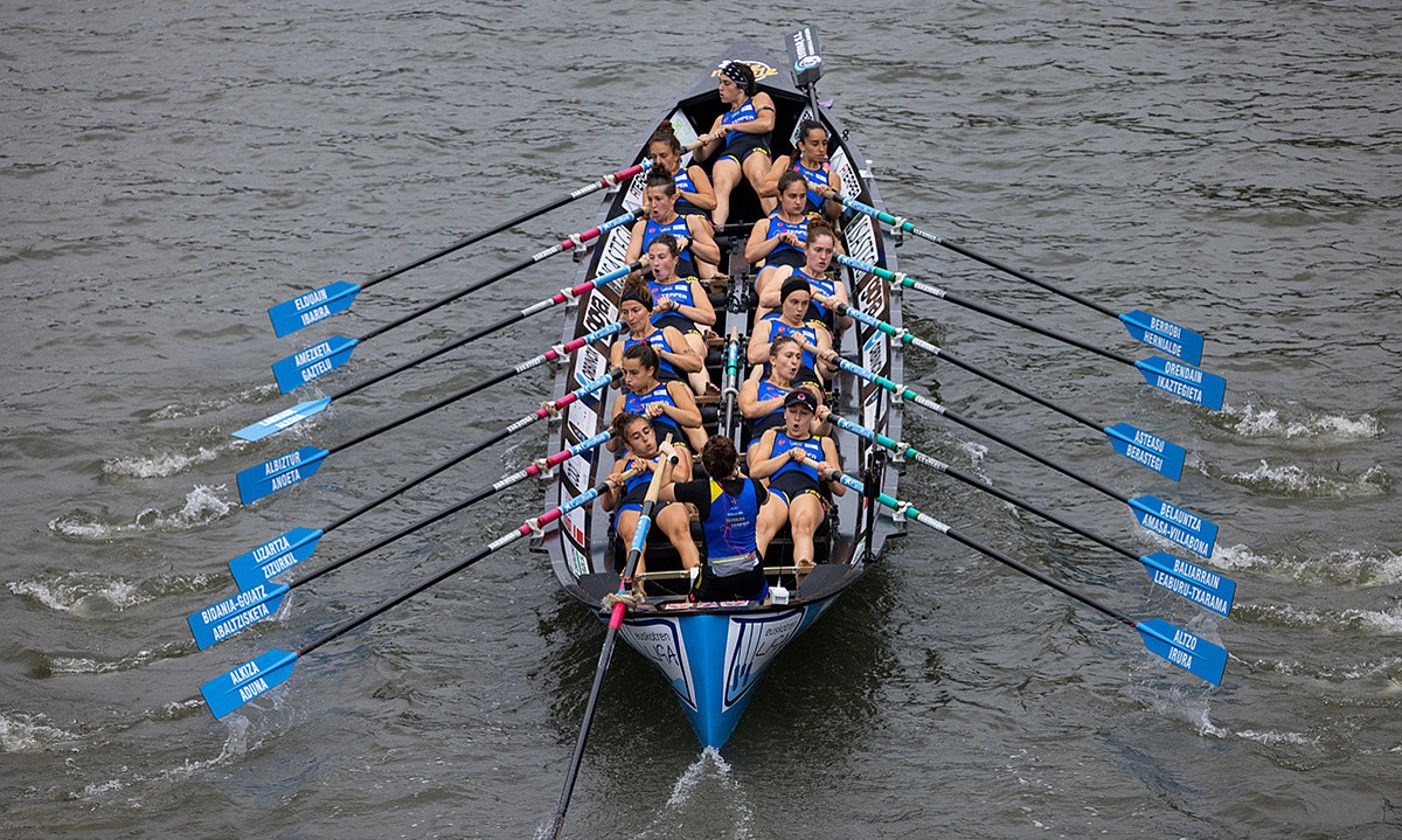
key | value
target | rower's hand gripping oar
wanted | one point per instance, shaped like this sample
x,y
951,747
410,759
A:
x,y
301,411
230,690
259,597
1144,448
1181,380
1160,333
660,474
1154,514
319,304
1190,581
1188,651
323,357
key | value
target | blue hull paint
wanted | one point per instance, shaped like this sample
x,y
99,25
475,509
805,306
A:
x,y
714,661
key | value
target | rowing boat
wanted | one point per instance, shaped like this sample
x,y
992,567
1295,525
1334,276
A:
x,y
714,654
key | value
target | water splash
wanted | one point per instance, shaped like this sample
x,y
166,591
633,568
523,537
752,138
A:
x,y
23,732
203,505
1324,429
1292,480
1386,668
164,464
54,664
690,791
1342,567
91,593
1288,615
256,394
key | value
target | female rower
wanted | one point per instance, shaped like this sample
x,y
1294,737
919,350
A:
x,y
762,399
681,303
778,238
695,197
812,164
669,405
792,319
693,232
821,244
626,489
675,359
729,506
793,460
742,136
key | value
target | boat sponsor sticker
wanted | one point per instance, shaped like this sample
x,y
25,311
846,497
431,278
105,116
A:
x,y
576,473
861,243
583,423
841,166
615,256
681,127
762,70
577,544
589,365
659,640
751,644
806,115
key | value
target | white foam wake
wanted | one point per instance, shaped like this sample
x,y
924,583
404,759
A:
x,y
91,592
1292,480
22,732
1249,421
163,464
1342,567
202,505
174,411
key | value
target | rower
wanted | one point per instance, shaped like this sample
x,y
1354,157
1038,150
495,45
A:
x,y
792,319
812,164
741,135
693,232
793,460
669,405
675,356
821,244
695,197
777,240
680,303
625,491
731,556
761,397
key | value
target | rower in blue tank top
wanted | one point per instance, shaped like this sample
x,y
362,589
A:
x,y
678,227
778,239
681,304
793,460
818,255
626,491
740,135
810,160
792,319
695,196
699,253
669,405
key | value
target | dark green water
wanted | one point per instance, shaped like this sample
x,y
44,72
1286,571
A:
x,y
167,172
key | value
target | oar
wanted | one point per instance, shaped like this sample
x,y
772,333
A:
x,y
318,304
1181,380
1158,454
1190,652
1159,333
286,470
1154,514
323,357
230,690
261,598
1188,580
635,551
302,411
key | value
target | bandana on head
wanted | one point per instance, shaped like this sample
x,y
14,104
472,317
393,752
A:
x,y
739,73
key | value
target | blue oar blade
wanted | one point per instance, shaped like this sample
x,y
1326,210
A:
x,y
274,557
217,622
1191,581
319,304
316,361
1193,654
1158,454
227,692
1190,383
283,471
1176,524
1178,342
287,417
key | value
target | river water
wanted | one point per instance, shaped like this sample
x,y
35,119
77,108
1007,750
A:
x,y
170,170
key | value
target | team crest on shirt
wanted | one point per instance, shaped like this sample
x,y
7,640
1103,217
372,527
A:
x,y
762,70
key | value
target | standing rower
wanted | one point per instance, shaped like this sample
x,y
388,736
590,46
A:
x,y
695,197
731,556
792,319
680,302
669,405
741,134
793,460
698,249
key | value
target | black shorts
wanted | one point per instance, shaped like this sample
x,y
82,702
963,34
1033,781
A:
x,y
792,484
681,322
746,145
749,586
788,256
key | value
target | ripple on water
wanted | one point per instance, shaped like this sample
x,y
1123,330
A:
x,y
24,732
1342,567
90,593
1293,480
163,464
203,505
1307,427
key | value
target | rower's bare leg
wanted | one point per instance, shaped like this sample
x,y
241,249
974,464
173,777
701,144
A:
x,y
627,526
676,524
756,171
772,516
805,513
725,176
700,381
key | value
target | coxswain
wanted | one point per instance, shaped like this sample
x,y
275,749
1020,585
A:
x,y
812,164
730,558
669,405
695,197
675,357
699,252
821,244
681,303
793,460
741,135
792,319
627,482
777,239
761,397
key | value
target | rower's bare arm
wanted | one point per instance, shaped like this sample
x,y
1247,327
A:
x,y
764,465
712,144
684,409
702,243
705,195
687,360
758,351
758,246
830,457
763,123
769,188
701,312
635,240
